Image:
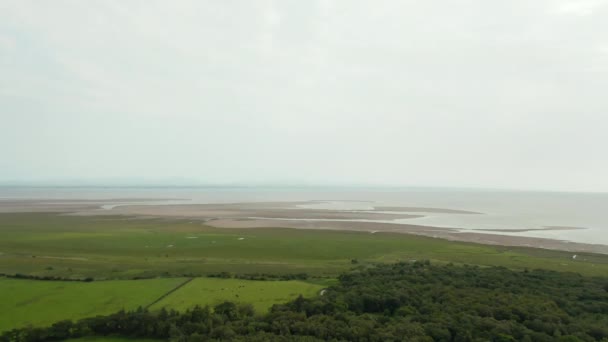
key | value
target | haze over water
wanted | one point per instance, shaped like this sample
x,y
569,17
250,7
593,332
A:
x,y
512,210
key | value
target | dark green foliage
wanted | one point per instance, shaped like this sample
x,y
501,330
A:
x,y
401,302
260,276
47,278
267,276
224,275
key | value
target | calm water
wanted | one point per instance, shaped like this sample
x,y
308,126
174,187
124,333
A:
x,y
501,209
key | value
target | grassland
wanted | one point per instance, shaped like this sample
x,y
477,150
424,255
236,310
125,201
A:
x,y
123,248
110,339
261,294
114,248
24,302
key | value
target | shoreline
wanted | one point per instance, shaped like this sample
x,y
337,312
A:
x,y
450,234
289,215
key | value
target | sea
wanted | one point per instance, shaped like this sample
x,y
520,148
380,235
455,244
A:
x,y
509,212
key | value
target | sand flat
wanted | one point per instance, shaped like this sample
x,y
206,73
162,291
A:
x,y
289,215
425,210
522,230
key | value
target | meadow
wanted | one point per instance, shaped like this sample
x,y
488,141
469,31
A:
x,y
212,291
114,251
110,339
125,248
39,303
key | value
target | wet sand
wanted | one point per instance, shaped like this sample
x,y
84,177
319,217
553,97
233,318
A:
x,y
244,210
452,234
290,215
65,205
426,210
546,228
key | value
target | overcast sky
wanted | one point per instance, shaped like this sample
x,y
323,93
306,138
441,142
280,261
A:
x,y
485,93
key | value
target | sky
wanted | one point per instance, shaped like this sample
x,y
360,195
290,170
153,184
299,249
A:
x,y
472,93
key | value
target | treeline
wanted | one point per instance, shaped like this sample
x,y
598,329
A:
x,y
402,302
260,276
48,278
224,275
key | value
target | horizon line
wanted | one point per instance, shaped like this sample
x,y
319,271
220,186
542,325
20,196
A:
x,y
68,185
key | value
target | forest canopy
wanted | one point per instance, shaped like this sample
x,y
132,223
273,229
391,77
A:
x,y
406,301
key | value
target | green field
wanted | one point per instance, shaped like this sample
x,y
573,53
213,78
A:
x,y
123,248
261,294
40,303
24,302
110,339
109,249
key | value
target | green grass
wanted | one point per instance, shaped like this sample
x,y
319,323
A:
x,y
109,339
122,248
261,294
24,302
33,302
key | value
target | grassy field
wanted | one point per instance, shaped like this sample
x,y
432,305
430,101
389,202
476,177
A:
x,y
122,248
35,302
109,339
24,302
261,294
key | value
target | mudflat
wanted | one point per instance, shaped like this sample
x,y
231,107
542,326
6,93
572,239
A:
x,y
295,215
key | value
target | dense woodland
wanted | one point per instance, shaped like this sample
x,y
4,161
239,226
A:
x,y
401,302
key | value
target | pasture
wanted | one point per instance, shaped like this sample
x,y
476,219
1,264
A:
x,y
39,303
24,302
110,339
124,248
261,294
116,250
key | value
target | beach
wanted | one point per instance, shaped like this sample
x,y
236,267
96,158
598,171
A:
x,y
352,215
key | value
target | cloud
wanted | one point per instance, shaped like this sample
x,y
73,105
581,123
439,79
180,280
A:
x,y
580,7
7,42
482,93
